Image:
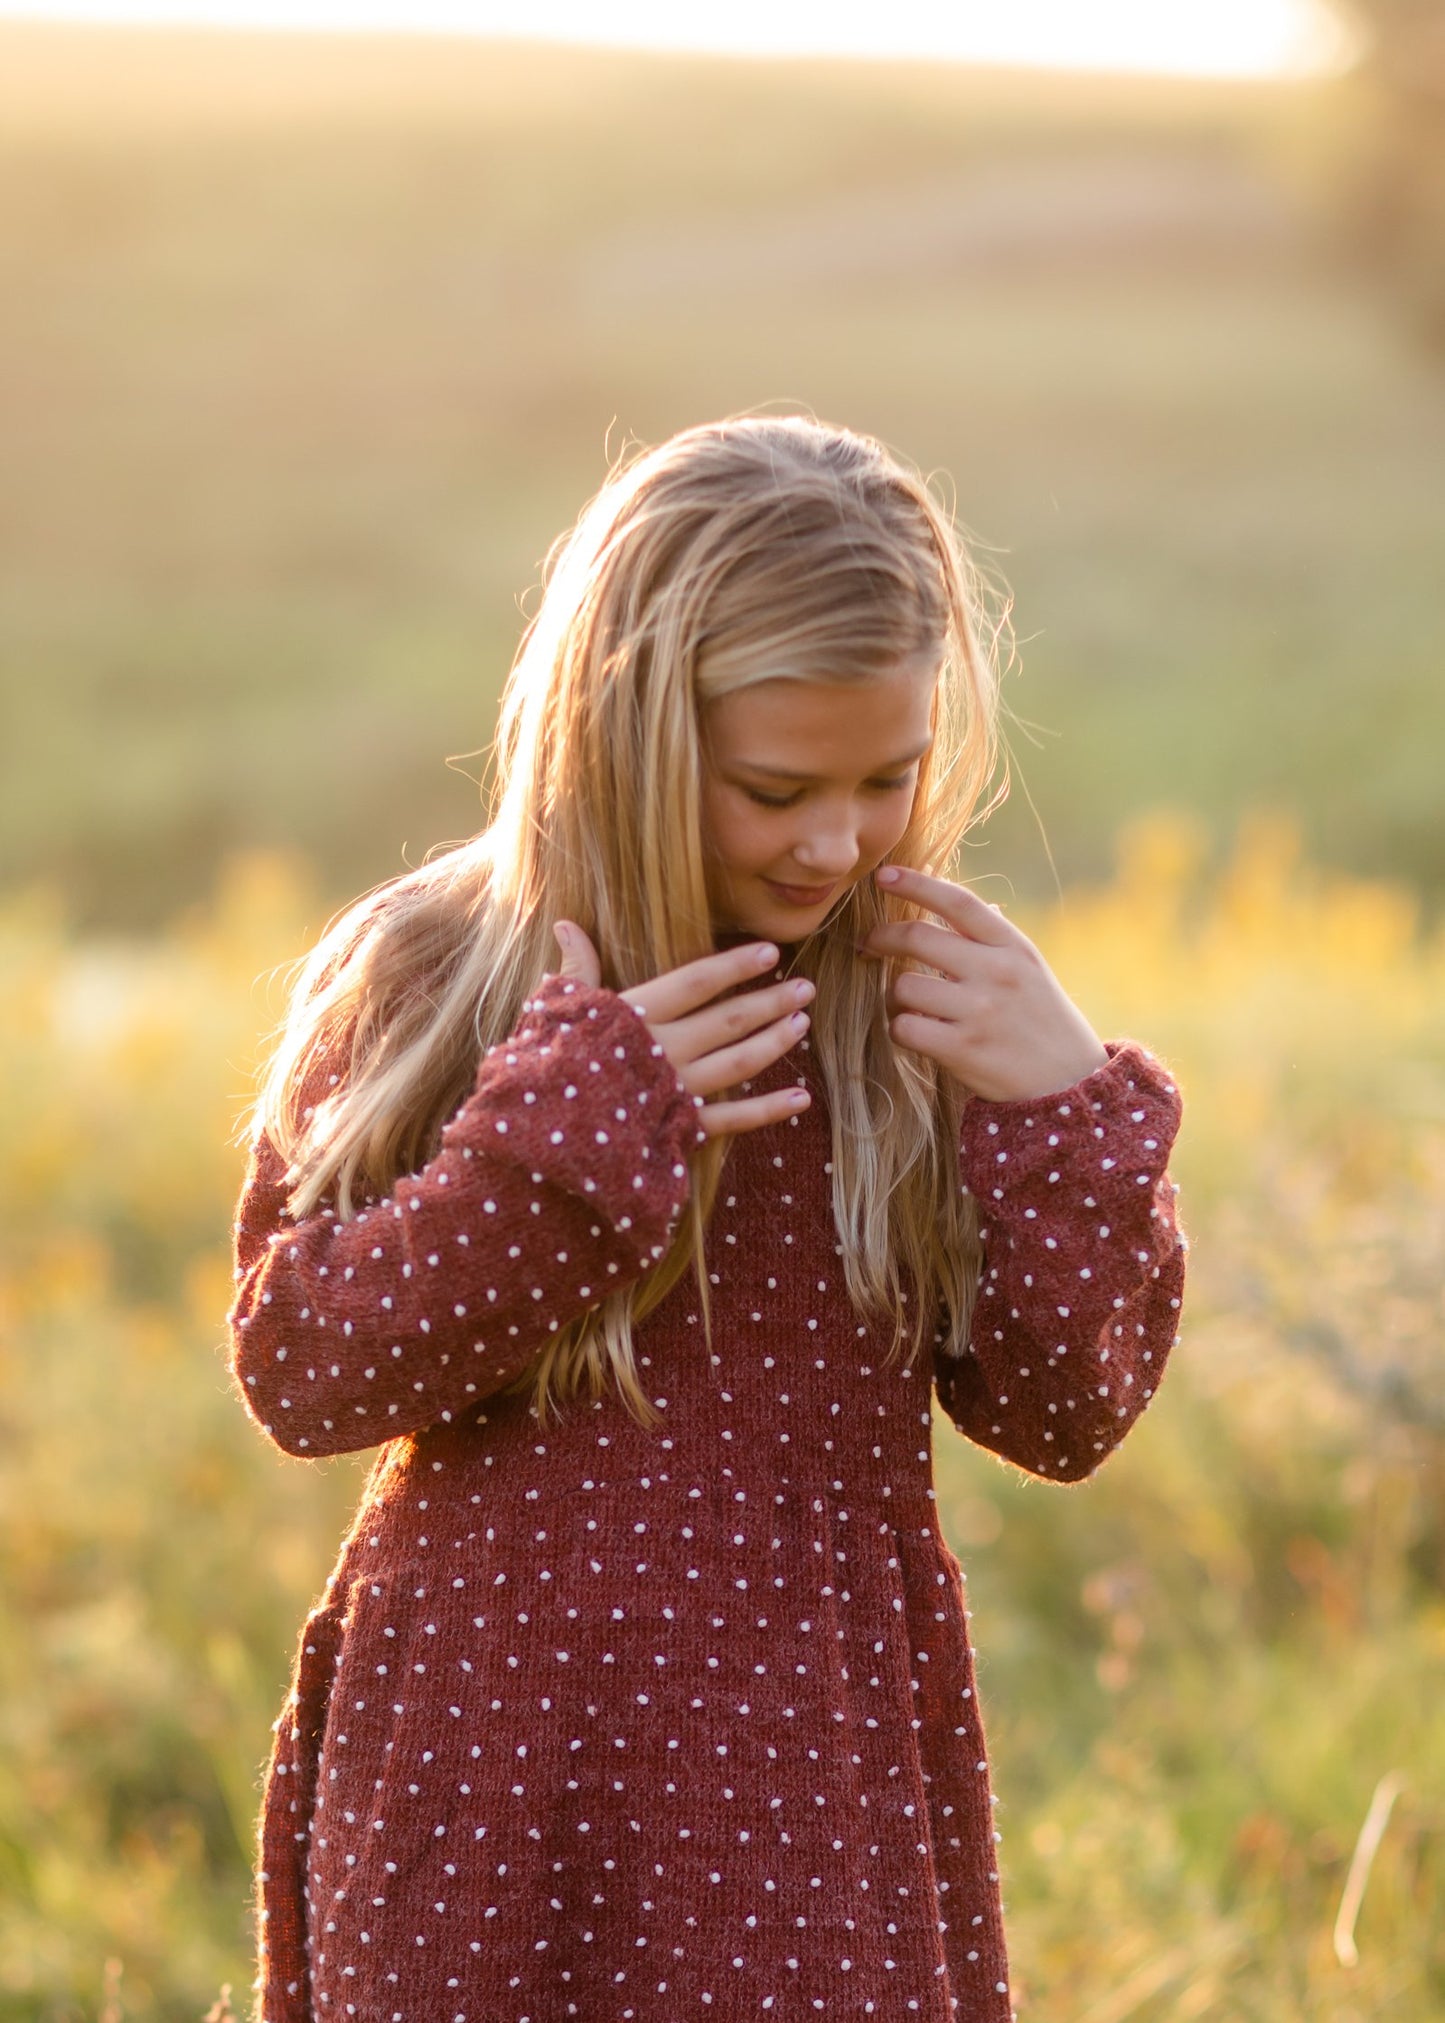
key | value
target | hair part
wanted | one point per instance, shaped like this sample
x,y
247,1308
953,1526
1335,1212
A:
x,y
735,552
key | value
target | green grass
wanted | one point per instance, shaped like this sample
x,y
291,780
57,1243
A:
x,y
1194,1669
307,350
310,348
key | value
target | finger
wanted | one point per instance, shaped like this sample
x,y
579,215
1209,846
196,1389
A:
x,y
921,941
734,1018
727,1066
931,996
923,1035
579,957
962,909
752,1112
679,991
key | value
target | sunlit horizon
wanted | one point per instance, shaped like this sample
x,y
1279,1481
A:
x,y
1229,38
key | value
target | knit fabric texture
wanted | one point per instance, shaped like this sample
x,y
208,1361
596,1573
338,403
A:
x,y
641,1726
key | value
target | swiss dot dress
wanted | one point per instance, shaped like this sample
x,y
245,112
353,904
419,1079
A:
x,y
649,1727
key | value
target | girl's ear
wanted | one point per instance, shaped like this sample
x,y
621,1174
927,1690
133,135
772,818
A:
x,y
579,958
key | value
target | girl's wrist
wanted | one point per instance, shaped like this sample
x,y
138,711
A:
x,y
1074,1074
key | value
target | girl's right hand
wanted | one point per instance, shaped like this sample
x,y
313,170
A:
x,y
713,1046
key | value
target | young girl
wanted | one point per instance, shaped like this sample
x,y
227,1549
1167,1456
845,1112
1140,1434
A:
x,y
641,1689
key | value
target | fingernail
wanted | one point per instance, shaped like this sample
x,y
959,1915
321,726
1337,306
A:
x,y
766,954
888,875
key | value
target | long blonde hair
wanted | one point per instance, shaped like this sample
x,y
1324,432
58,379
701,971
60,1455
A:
x,y
736,551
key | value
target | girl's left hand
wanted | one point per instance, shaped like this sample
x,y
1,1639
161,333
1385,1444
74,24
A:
x,y
996,1017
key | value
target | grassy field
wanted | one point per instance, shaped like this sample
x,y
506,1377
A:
x,y
1195,1670
309,349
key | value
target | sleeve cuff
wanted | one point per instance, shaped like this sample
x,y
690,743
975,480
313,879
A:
x,y
1125,1111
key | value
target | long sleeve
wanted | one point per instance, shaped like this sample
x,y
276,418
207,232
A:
x,y
1083,1273
559,1180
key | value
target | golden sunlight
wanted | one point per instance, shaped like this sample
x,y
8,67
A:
x,y
1221,38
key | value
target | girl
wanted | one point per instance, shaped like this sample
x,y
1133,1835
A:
x,y
641,1689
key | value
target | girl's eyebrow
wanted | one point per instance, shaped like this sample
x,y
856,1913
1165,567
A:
x,y
811,779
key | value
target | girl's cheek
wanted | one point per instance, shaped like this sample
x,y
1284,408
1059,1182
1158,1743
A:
x,y
893,826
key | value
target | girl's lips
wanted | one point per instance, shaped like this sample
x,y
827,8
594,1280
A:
x,y
802,895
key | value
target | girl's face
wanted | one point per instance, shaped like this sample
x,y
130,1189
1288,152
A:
x,y
806,788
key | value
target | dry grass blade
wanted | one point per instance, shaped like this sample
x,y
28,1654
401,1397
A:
x,y
1382,1804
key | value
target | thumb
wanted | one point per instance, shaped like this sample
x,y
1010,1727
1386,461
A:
x,y
579,957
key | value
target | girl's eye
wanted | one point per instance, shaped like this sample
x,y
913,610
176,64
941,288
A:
x,y
767,800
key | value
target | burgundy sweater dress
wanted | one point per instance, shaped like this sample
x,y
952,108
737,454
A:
x,y
650,1727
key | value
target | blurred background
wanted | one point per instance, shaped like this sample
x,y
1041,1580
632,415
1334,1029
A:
x,y
310,343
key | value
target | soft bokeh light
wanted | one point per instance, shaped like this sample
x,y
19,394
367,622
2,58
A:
x,y
310,345
1231,38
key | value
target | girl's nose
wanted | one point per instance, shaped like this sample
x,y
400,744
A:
x,y
828,857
